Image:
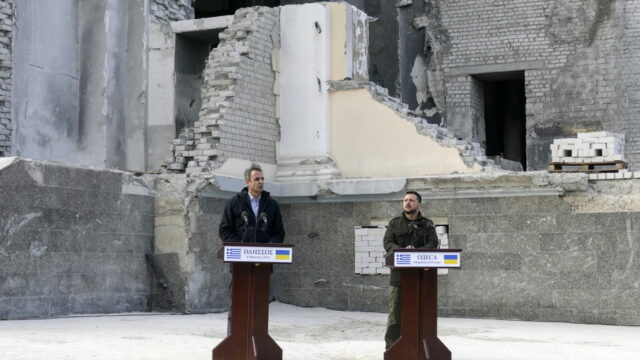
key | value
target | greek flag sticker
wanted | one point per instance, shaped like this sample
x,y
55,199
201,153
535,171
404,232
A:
x,y
233,253
403,259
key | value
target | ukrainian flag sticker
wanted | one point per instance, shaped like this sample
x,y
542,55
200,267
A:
x,y
451,259
283,254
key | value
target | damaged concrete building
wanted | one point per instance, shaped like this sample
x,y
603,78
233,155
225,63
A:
x,y
125,126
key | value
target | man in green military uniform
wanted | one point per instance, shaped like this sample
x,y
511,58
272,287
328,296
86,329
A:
x,y
409,231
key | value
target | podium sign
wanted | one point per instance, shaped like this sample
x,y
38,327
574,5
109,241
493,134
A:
x,y
426,259
258,254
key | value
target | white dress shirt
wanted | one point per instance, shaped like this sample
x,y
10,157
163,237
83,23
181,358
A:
x,y
255,204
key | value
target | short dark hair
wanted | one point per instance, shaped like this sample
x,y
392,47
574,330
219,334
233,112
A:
x,y
414,193
253,167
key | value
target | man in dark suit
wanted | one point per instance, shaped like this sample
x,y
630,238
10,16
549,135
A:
x,y
252,215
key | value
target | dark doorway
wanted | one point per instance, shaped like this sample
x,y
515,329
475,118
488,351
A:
x,y
505,115
211,8
191,53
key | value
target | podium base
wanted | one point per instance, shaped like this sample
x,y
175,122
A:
x,y
430,348
419,330
249,338
259,348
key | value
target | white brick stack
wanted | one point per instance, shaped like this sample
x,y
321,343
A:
x,y
590,147
443,237
369,250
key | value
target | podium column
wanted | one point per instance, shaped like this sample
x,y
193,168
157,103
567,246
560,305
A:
x,y
419,303
249,337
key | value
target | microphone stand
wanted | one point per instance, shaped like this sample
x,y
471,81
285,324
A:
x,y
246,226
255,231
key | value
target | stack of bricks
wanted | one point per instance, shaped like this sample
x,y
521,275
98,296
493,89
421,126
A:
x,y
238,114
6,35
369,250
593,147
163,11
443,238
183,149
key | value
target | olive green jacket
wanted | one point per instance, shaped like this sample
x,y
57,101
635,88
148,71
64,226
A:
x,y
402,232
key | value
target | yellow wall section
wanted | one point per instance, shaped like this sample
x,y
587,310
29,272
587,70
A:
x,y
338,41
370,140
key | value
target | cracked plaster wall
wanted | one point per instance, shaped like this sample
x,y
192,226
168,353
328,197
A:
x,y
370,154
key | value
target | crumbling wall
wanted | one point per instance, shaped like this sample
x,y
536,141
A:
x,y
6,68
368,110
569,50
237,118
186,240
72,240
470,153
163,11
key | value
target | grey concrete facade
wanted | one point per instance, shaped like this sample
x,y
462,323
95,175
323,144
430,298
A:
x,y
46,83
527,254
73,240
535,246
526,258
80,80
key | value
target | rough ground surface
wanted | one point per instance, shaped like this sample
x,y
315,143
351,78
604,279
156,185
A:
x,y
305,334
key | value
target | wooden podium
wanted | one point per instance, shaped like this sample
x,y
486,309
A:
x,y
249,338
419,302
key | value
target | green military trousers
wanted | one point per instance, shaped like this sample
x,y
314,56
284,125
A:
x,y
393,322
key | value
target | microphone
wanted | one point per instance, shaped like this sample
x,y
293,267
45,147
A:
x,y
263,218
412,233
245,216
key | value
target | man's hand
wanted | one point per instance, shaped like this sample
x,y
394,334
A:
x,y
410,247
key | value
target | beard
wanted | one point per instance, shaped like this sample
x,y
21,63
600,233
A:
x,y
411,212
